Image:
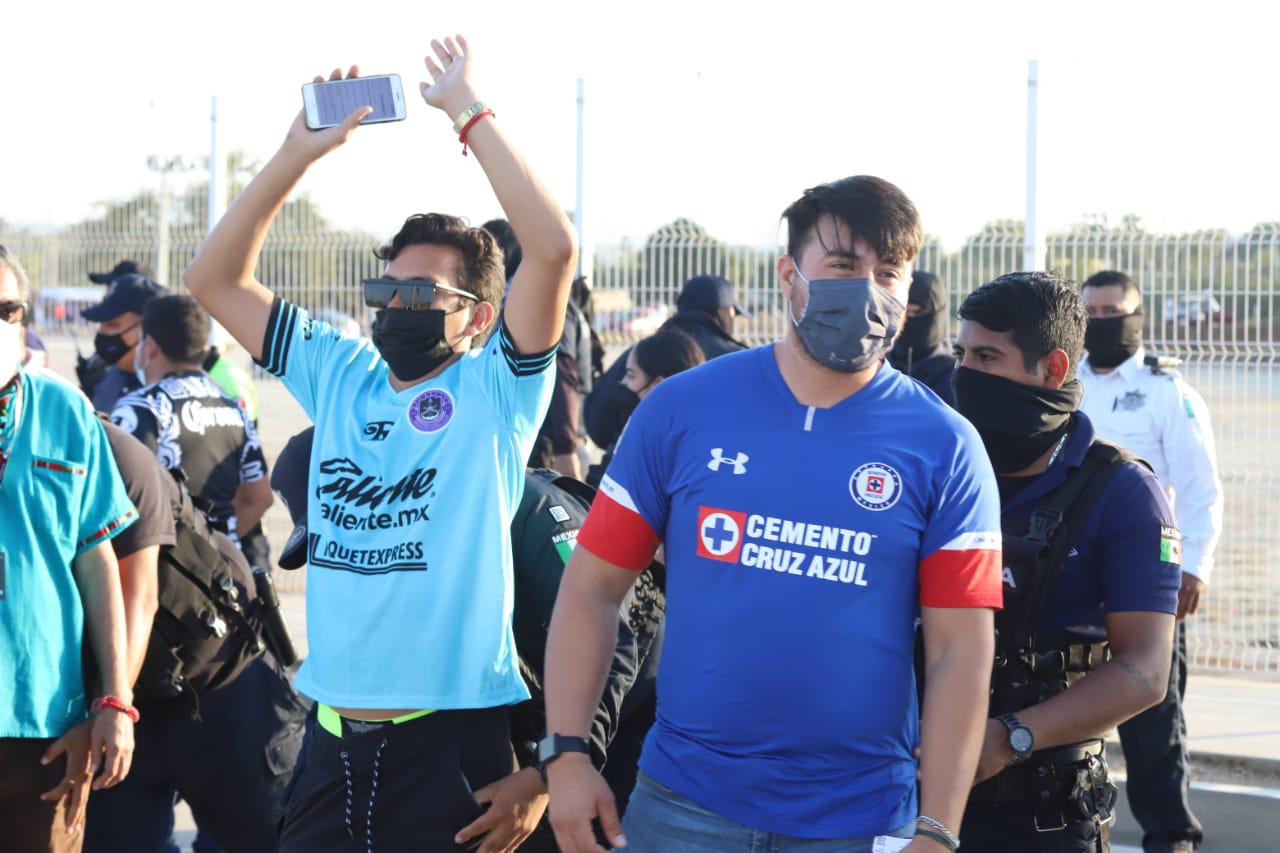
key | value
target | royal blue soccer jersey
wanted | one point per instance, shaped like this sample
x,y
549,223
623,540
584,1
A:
x,y
799,544
409,576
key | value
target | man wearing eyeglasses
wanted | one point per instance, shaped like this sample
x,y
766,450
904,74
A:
x,y
61,500
418,464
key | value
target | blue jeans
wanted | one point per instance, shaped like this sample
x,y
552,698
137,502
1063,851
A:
x,y
658,820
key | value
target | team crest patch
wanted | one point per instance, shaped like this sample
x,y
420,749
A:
x,y
431,411
720,533
875,486
1132,401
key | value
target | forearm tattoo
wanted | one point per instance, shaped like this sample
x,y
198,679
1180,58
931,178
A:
x,y
1135,672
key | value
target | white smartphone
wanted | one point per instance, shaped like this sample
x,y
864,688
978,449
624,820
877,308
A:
x,y
328,103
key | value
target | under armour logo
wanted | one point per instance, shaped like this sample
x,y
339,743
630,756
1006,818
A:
x,y
738,462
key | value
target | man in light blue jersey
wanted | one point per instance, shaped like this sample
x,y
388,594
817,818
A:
x,y
421,437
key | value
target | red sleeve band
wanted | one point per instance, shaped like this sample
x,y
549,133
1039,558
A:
x,y
618,535
969,578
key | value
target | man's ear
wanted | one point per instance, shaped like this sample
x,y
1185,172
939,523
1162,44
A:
x,y
1056,366
482,316
786,269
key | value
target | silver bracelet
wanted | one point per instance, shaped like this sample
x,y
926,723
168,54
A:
x,y
938,825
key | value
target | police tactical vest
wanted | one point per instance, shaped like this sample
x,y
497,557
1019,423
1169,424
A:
x,y
1030,668
202,637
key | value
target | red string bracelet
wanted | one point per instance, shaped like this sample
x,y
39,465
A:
x,y
462,137
117,704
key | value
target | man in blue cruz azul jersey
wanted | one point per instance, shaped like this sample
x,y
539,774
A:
x,y
420,442
811,501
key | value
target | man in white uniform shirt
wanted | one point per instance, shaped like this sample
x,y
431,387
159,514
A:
x,y
1158,416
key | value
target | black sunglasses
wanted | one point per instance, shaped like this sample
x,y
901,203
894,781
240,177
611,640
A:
x,y
12,312
415,293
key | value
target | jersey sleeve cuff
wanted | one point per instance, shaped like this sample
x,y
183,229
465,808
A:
x,y
520,364
964,576
618,535
108,531
279,336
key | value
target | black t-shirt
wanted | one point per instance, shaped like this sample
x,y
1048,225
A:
x,y
152,490
192,426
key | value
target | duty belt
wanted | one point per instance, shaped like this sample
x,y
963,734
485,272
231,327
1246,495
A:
x,y
1070,782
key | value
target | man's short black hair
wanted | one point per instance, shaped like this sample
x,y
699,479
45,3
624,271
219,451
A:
x,y
1043,310
480,272
512,254
179,326
1106,278
872,208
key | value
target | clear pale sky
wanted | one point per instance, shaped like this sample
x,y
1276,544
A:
x,y
721,112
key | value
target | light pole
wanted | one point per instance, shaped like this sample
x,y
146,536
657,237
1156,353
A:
x,y
165,166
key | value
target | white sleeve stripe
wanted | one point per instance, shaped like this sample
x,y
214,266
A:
x,y
617,493
974,541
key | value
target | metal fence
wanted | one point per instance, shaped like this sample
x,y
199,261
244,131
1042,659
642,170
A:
x,y
1209,298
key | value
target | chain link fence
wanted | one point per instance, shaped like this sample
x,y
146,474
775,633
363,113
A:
x,y
1209,299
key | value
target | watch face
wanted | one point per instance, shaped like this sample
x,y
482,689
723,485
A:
x,y
1020,740
546,749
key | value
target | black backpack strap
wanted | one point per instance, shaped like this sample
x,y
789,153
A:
x,y
1056,524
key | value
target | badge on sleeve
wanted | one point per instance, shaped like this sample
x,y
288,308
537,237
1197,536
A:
x,y
1170,545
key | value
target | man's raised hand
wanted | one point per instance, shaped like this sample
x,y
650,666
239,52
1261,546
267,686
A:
x,y
450,87
310,144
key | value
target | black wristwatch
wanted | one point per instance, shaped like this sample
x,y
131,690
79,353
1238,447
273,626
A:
x,y
553,746
1021,740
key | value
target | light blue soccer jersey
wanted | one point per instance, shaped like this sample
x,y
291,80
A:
x,y
411,495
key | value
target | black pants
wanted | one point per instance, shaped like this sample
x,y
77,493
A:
x,y
1155,757
230,767
26,821
1006,829
404,787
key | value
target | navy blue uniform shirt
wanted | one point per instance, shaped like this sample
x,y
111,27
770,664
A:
x,y
1128,554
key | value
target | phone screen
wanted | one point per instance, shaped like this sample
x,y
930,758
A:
x,y
336,100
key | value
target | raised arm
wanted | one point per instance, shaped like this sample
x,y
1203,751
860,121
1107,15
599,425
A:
x,y
535,305
221,276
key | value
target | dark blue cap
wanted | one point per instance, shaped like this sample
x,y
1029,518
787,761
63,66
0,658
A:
x,y
126,293
708,293
122,268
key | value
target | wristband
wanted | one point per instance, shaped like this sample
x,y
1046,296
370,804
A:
x,y
938,837
461,119
943,835
462,137
116,704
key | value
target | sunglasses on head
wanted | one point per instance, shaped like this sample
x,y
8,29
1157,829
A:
x,y
12,312
415,293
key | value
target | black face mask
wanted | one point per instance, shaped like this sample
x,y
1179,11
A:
x,y
1018,423
411,342
920,337
112,348
1111,341
625,400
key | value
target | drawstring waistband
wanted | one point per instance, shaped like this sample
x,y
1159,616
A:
x,y
373,793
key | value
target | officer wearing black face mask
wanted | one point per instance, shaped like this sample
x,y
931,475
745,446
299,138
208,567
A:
x,y
920,352
1139,401
1091,556
119,319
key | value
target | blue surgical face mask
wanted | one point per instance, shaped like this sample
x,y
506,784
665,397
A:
x,y
848,324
